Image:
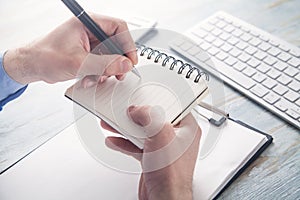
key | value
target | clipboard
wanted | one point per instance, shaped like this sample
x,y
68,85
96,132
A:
x,y
221,119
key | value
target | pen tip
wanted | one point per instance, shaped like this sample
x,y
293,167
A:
x,y
136,72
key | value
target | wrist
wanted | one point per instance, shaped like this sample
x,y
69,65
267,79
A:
x,y
180,192
19,66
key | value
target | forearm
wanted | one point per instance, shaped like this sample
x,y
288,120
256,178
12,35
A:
x,y
172,189
172,194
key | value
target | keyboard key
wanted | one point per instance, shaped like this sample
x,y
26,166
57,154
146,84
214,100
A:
x,y
298,77
270,60
291,71
280,89
226,47
244,81
249,71
239,66
242,45
284,47
284,79
295,52
269,83
259,90
213,51
202,56
295,85
291,95
210,38
260,55
204,46
244,57
194,50
237,32
295,62
274,51
255,41
213,21
246,37
251,50
264,38
253,62
280,66
298,102
236,24
273,73
282,105
229,21
264,46
259,77
218,42
179,41
263,68
186,45
201,33
224,36
233,41
221,24
254,33
208,27
293,114
274,43
246,29
271,98
216,32
235,52
284,56
230,61
222,56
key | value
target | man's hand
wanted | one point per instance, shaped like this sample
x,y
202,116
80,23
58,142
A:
x,y
173,181
64,54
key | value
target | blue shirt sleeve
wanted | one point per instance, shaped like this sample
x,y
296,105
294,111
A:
x,y
9,88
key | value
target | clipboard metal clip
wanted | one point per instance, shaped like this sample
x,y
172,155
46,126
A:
x,y
216,122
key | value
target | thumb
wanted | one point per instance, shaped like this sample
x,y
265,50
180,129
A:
x,y
107,65
152,119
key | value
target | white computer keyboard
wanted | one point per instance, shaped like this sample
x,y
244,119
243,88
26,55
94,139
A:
x,y
263,67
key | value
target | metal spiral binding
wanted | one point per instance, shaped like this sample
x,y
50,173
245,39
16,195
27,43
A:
x,y
150,52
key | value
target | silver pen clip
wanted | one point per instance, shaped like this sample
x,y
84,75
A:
x,y
215,122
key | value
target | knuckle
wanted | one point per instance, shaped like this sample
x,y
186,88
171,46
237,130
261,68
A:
x,y
119,23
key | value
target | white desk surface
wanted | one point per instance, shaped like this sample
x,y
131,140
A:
x,y
40,114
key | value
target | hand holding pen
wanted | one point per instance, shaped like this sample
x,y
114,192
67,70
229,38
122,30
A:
x,y
96,30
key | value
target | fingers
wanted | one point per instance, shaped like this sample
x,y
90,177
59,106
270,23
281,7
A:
x,y
106,126
140,114
152,119
107,65
119,30
124,146
189,125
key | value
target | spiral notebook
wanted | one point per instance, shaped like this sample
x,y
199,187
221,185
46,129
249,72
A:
x,y
165,81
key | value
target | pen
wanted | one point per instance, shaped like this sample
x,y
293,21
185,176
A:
x,y
79,12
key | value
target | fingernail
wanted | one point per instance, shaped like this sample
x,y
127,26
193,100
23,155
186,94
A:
x,y
89,83
131,108
126,65
103,78
121,77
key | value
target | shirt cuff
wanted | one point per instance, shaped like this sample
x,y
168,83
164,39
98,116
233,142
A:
x,y
10,89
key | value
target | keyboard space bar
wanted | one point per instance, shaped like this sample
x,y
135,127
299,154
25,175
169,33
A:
x,y
232,74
